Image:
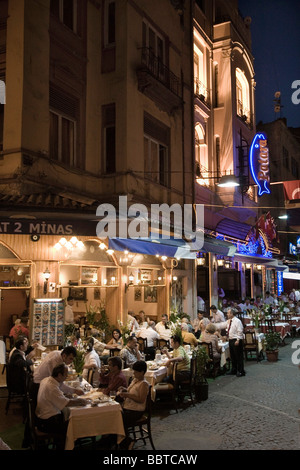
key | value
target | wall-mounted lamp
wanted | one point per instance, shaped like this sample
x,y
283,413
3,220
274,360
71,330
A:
x,y
131,279
47,275
201,261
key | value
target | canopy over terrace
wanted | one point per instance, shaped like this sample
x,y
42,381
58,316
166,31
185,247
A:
x,y
173,248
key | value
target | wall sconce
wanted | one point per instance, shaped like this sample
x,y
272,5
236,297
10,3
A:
x,y
174,278
47,275
248,266
220,262
131,279
201,261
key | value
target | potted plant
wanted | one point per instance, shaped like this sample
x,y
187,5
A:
x,y
200,358
271,342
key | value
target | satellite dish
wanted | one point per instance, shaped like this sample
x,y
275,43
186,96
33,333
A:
x,y
248,20
277,94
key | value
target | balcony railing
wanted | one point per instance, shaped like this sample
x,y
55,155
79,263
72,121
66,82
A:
x,y
161,72
201,91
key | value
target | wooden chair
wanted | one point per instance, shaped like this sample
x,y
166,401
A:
x,y
114,352
270,325
15,395
38,438
287,318
213,365
250,345
90,376
143,344
186,386
162,343
166,389
142,428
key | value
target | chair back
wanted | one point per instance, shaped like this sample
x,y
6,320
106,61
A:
x,y
114,352
162,343
90,375
209,349
270,325
250,338
142,343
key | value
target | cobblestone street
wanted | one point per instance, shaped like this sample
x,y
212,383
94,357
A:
x,y
255,412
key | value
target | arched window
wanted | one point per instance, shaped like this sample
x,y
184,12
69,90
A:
x,y
242,95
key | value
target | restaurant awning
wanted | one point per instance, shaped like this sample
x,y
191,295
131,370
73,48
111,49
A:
x,y
172,247
233,229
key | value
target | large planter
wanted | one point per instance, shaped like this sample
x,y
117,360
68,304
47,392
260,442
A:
x,y
272,356
201,391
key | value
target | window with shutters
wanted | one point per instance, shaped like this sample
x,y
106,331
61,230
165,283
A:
x,y
156,151
64,112
109,138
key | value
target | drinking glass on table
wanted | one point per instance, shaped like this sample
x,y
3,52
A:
x,y
113,394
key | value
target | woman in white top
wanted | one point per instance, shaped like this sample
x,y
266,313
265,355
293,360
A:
x,y
135,400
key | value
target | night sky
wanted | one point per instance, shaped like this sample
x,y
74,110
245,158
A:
x,y
275,31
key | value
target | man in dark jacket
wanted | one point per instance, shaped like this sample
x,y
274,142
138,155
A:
x,y
18,366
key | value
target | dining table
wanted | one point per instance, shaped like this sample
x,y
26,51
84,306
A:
x,y
282,327
101,415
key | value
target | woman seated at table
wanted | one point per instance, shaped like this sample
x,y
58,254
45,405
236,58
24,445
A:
x,y
135,398
116,344
209,336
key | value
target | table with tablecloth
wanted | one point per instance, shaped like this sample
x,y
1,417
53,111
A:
x,y
225,353
283,328
88,421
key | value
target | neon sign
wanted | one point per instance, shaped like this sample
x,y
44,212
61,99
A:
x,y
279,282
259,163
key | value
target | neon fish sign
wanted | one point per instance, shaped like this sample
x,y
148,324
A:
x,y
259,163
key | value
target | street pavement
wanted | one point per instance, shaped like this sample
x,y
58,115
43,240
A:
x,y
255,412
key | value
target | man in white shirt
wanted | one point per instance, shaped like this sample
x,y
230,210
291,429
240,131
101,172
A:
x,y
216,315
269,299
69,315
163,328
151,335
51,401
235,334
53,359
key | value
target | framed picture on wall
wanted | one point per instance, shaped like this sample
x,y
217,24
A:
x,y
150,294
138,294
78,293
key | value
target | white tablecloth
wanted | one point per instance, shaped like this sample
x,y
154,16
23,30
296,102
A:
x,y
225,354
106,418
2,352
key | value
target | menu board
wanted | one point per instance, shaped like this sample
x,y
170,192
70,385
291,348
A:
x,y
47,321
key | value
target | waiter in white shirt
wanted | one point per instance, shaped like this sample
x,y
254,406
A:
x,y
69,315
235,333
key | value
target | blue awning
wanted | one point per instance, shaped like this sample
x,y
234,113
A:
x,y
234,229
173,248
169,247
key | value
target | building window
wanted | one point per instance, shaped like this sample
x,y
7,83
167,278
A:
x,y
109,23
242,96
62,139
66,12
155,43
285,158
109,138
200,70
201,156
156,151
294,167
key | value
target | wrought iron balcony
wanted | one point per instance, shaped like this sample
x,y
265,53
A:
x,y
157,81
201,91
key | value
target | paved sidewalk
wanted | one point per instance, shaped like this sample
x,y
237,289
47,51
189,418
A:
x,y
255,412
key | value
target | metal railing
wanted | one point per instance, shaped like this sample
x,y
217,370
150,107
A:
x,y
201,91
161,72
